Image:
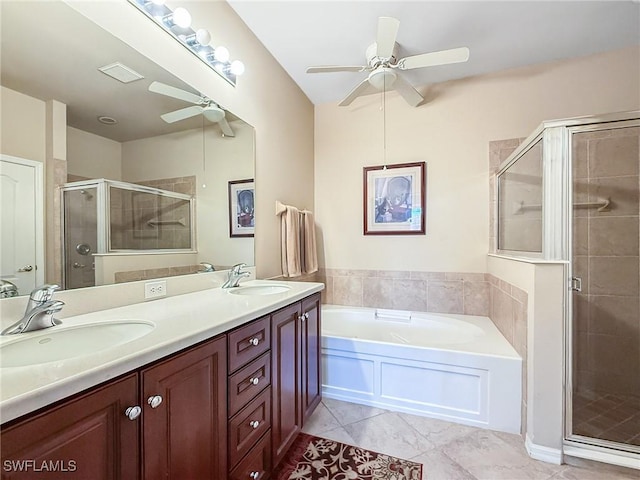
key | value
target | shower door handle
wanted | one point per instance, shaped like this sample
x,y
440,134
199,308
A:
x,y
576,284
78,265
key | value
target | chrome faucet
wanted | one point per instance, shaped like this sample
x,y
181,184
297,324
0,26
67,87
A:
x,y
235,274
39,311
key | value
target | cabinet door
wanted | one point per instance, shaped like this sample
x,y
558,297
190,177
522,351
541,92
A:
x,y
185,436
310,348
86,437
286,379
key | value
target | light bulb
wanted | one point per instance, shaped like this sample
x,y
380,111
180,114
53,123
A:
x,y
182,18
203,37
158,2
237,67
221,54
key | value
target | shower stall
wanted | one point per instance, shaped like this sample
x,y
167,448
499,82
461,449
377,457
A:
x,y
572,193
105,216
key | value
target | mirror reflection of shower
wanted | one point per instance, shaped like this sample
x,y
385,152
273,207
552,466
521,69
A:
x,y
103,217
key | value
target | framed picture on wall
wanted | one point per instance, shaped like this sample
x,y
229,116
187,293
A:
x,y
241,208
394,199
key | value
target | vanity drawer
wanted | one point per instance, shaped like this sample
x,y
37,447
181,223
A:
x,y
247,382
249,425
257,464
249,342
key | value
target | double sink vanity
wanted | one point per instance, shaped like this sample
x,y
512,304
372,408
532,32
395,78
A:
x,y
213,384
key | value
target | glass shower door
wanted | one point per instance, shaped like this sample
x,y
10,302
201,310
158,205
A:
x,y
605,395
80,237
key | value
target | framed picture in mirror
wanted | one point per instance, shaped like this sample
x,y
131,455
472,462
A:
x,y
394,199
241,208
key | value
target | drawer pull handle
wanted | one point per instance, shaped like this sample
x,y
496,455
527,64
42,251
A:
x,y
133,412
254,475
154,401
254,341
254,424
254,380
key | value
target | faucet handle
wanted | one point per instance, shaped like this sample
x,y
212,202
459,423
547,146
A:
x,y
237,268
44,293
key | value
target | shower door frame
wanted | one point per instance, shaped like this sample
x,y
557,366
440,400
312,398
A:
x,y
573,444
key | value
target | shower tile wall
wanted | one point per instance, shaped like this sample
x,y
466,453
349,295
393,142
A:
x,y
133,216
607,258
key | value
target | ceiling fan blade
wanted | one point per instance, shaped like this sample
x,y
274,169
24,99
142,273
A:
x,y
226,128
181,114
387,33
362,88
443,57
407,91
336,68
169,91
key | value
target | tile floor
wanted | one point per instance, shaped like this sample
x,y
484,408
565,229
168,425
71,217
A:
x,y
448,451
607,416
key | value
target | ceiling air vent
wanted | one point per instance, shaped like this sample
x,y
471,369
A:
x,y
121,72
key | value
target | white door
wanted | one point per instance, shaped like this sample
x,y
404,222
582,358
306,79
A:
x,y
21,246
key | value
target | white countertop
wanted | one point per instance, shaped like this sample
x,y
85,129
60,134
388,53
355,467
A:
x,y
180,321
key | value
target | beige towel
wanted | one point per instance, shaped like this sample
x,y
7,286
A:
x,y
309,256
290,227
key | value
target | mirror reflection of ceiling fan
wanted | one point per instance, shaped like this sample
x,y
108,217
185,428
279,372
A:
x,y
383,64
203,105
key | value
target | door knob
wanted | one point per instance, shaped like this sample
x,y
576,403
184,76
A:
x,y
154,401
77,265
26,268
133,412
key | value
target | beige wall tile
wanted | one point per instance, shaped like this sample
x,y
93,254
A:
x,y
580,235
612,353
502,311
580,157
392,274
613,156
520,328
623,192
476,298
613,236
427,276
614,315
614,276
581,312
445,297
378,292
410,295
347,291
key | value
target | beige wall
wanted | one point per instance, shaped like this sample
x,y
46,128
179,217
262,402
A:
x,y
451,133
265,97
93,156
22,125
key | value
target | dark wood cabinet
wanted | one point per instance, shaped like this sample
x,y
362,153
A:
x,y
86,437
229,407
295,371
184,422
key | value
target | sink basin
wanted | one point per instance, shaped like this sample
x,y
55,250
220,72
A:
x,y
260,290
68,342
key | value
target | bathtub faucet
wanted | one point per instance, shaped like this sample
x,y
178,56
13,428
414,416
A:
x,y
235,274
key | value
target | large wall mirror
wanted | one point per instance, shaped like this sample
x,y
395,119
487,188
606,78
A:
x,y
127,195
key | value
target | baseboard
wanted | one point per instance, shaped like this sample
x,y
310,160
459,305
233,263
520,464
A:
x,y
544,454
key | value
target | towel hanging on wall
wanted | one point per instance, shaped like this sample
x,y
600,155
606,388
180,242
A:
x,y
298,237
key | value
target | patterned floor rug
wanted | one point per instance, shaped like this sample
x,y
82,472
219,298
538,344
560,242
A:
x,y
315,458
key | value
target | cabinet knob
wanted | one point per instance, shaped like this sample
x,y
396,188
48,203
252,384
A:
x,y
154,401
254,380
306,316
301,318
254,341
254,475
133,412
254,424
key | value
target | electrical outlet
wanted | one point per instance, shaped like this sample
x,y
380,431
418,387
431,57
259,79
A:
x,y
155,289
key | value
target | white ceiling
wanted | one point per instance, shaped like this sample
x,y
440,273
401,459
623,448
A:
x,y
500,35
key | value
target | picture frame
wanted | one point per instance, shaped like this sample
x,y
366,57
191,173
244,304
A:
x,y
241,208
394,199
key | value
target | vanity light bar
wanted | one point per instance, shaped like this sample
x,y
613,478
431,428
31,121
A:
x,y
177,23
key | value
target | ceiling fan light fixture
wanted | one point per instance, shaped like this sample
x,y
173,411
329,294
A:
x,y
382,78
213,113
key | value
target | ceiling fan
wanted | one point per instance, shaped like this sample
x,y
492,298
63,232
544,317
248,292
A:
x,y
382,64
203,105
